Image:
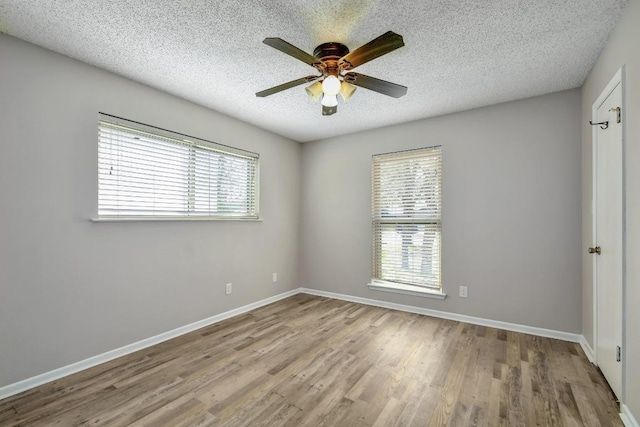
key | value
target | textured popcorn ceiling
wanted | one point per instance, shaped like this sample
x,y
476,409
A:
x,y
457,55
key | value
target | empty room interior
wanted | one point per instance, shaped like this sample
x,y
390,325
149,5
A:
x,y
320,213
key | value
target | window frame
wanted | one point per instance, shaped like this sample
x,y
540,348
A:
x,y
378,222
190,148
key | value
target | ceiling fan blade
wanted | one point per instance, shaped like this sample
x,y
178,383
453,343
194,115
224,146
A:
x,y
327,111
289,49
382,45
285,86
376,85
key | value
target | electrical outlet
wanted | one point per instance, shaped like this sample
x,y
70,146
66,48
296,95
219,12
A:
x,y
463,291
274,277
227,289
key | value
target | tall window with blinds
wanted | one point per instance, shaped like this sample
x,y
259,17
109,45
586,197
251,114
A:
x,y
406,208
150,172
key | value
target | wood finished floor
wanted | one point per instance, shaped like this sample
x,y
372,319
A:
x,y
312,361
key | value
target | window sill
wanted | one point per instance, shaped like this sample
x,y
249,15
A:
x,y
406,289
167,218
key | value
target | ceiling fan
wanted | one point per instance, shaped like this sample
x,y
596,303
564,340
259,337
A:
x,y
334,61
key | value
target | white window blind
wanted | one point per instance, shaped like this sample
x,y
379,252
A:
x,y
406,208
149,172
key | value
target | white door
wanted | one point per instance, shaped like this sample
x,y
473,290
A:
x,y
608,238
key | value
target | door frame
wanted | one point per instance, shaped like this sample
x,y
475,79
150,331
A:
x,y
618,79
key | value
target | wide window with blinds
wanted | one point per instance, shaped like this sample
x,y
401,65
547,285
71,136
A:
x,y
406,208
147,172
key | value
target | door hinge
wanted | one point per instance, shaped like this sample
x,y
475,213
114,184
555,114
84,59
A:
x,y
618,350
617,111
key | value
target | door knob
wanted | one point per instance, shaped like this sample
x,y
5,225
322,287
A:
x,y
595,250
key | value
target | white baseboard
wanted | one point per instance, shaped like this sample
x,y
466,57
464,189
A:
x,y
586,347
548,333
627,417
46,377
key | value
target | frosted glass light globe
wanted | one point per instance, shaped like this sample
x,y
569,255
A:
x,y
331,86
329,100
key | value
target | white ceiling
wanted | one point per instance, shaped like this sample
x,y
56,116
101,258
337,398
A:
x,y
457,55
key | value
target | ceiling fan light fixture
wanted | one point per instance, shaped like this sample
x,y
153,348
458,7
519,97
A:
x,y
331,86
335,62
330,100
314,91
347,90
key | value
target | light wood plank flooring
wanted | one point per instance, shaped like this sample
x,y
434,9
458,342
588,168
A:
x,y
312,361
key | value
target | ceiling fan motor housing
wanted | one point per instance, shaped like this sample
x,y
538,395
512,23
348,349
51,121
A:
x,y
330,53
326,50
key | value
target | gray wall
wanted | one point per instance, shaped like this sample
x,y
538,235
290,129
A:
x,y
511,222
621,49
71,289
